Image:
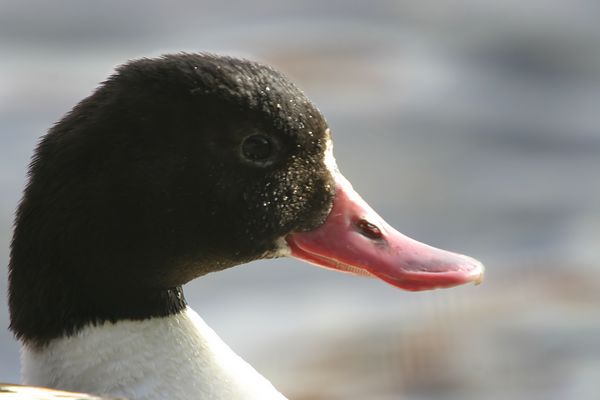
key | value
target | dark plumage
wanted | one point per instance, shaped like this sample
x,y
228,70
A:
x,y
130,194
176,167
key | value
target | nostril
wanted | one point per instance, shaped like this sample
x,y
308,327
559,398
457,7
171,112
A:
x,y
368,229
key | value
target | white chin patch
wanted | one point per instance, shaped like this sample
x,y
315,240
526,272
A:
x,y
282,249
329,159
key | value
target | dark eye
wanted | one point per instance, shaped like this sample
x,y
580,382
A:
x,y
259,149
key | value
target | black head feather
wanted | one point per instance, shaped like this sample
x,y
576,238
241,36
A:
x,y
152,181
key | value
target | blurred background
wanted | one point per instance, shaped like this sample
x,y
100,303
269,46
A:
x,y
471,125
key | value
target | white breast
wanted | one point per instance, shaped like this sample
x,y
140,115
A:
x,y
175,357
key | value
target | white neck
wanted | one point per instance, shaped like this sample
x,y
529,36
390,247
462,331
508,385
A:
x,y
175,357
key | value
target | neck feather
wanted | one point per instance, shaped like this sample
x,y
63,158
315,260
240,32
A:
x,y
177,357
39,316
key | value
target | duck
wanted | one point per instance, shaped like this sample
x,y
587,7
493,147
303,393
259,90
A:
x,y
173,168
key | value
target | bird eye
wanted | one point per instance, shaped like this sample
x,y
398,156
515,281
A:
x,y
258,149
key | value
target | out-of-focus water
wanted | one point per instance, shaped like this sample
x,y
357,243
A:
x,y
470,125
